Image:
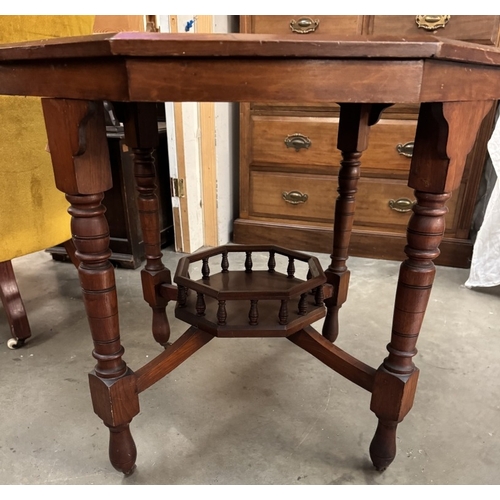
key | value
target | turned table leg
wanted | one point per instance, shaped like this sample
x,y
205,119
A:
x,y
445,135
77,140
354,126
141,136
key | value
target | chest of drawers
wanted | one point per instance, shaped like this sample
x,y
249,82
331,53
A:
x,y
289,161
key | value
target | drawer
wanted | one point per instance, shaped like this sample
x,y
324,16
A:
x,y
306,25
287,140
390,145
295,141
316,204
376,196
312,198
479,29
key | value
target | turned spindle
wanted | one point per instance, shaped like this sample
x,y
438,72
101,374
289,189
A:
x,y
303,304
283,314
290,270
225,262
221,313
205,269
182,295
248,262
319,295
253,315
200,304
271,263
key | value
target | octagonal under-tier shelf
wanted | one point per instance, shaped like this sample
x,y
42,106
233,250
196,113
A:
x,y
241,301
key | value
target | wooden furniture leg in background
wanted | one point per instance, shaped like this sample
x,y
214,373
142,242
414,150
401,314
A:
x,y
77,140
13,306
141,136
445,135
354,127
13,303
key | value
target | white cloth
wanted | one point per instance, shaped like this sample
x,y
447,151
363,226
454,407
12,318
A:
x,y
485,265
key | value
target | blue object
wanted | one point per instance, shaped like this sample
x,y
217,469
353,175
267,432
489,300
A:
x,y
189,25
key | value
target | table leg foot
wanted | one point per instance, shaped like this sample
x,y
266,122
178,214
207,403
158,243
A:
x,y
161,327
122,450
331,324
383,445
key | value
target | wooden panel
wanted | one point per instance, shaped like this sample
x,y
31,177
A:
x,y
114,24
266,190
58,80
268,134
479,29
385,136
372,204
458,82
372,199
268,140
327,25
299,79
364,243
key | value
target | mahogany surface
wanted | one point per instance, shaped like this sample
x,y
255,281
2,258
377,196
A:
x,y
456,84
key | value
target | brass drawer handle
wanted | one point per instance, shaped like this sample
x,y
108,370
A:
x,y
401,205
294,197
297,141
405,149
304,25
431,23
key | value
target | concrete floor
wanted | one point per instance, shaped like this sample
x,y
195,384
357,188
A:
x,y
252,411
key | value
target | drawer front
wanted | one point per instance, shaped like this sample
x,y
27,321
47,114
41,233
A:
x,y
479,29
312,198
386,203
294,141
306,25
390,145
313,141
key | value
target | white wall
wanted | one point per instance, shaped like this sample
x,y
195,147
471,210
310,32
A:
x,y
226,140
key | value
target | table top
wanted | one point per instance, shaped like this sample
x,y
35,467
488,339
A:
x,y
250,45
249,67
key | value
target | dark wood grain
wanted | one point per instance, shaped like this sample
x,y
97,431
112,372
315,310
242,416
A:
x,y
174,354
253,45
334,357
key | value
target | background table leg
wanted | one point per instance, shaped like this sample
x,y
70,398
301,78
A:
x,y
352,141
141,135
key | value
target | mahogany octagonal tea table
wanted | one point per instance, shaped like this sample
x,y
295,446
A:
x,y
454,83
